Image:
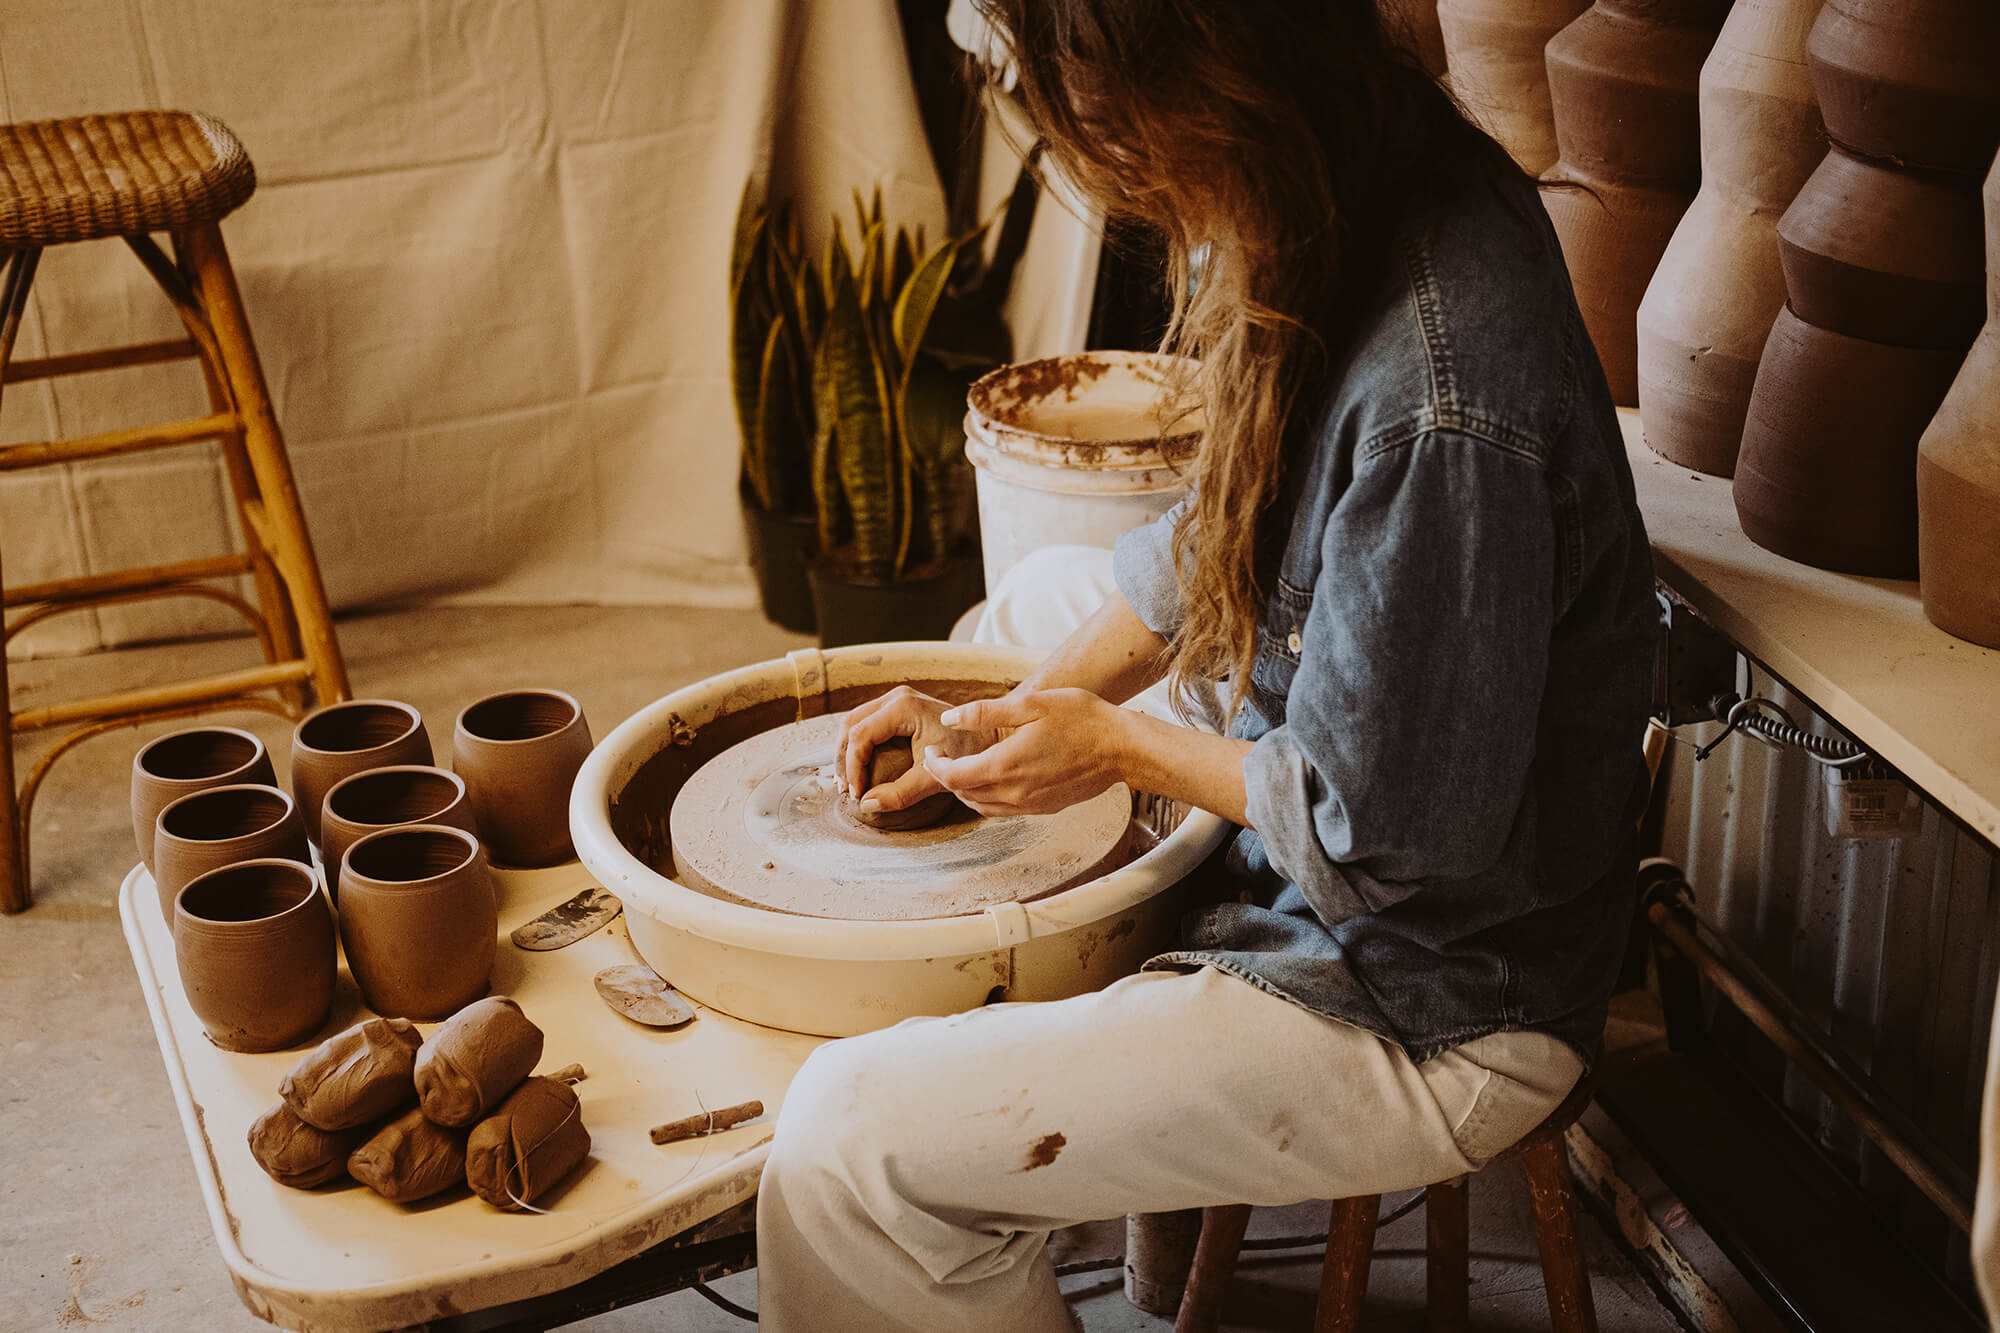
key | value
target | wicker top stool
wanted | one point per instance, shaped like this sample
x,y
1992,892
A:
x,y
129,175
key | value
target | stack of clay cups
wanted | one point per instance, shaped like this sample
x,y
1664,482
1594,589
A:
x,y
1882,256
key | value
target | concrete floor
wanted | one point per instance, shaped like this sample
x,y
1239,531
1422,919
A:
x,y
101,1223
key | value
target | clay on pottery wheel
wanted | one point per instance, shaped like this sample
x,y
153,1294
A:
x,y
1827,475
342,739
410,1158
1623,79
764,823
889,761
1915,82
183,762
528,1145
385,798
518,752
254,946
220,827
419,920
301,1155
355,1076
472,1062
1958,476
1493,49
1885,255
1708,309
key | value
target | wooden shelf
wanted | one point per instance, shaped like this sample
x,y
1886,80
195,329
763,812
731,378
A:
x,y
1859,648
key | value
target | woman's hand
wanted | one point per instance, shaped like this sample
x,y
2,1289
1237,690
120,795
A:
x,y
901,712
1061,746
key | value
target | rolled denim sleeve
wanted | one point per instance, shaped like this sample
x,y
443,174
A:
x,y
1410,722
1143,564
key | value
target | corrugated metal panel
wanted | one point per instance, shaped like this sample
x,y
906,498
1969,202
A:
x,y
1889,947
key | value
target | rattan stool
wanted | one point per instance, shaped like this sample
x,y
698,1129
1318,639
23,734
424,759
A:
x,y
1350,1243
130,175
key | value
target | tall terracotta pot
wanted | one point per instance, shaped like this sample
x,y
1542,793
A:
x,y
1413,24
1493,49
1709,306
1623,81
1958,476
419,920
253,943
1916,82
183,762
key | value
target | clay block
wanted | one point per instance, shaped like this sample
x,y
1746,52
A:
x,y
297,1154
355,1077
528,1146
475,1059
410,1158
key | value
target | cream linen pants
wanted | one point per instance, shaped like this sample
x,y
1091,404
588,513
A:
x,y
918,1171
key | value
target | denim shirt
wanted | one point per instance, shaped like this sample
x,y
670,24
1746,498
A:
x,y
1453,667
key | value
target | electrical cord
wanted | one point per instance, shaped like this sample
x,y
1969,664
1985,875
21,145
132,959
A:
x,y
717,1299
1767,720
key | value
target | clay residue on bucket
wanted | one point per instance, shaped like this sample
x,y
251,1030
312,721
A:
x,y
1094,410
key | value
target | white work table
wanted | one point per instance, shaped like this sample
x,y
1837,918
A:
x,y
1859,648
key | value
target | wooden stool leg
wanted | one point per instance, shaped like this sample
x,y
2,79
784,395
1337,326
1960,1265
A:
x,y
281,520
1445,1277
1563,1271
1343,1281
16,894
1214,1262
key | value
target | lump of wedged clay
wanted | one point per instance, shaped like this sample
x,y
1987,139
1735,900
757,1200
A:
x,y
472,1062
410,1158
889,761
297,1154
527,1146
355,1076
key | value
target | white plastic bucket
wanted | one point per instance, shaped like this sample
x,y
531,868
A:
x,y
1076,450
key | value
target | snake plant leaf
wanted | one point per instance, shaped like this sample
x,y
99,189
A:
x,y
774,415
862,429
749,319
919,301
750,219
902,263
828,502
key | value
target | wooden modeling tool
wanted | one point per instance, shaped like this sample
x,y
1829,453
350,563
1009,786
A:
x,y
568,922
639,993
708,1122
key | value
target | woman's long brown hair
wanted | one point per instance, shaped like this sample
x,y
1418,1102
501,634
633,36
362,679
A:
x,y
1275,143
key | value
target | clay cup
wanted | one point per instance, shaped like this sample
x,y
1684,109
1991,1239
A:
x,y
380,798
418,917
518,752
254,944
343,739
190,760
220,827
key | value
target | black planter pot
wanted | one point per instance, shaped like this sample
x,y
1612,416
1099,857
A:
x,y
780,546
855,610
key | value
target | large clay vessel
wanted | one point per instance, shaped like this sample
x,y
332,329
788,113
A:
x,y
1916,82
1623,80
1828,469
1493,49
187,761
518,752
1709,307
418,918
1413,24
220,827
384,798
254,946
1958,476
343,739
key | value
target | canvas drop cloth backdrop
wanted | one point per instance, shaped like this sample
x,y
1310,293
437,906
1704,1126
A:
x,y
486,270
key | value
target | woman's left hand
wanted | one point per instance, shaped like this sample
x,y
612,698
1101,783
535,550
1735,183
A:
x,y
1066,746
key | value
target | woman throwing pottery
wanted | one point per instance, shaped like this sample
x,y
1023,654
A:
x,y
1411,586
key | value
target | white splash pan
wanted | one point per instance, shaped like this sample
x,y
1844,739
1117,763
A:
x,y
838,978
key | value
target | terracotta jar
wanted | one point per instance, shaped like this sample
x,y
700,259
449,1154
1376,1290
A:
x,y
1888,255
419,920
1413,24
343,739
191,760
519,752
1828,470
1958,476
254,946
1710,304
384,798
1916,82
220,827
1493,49
1622,80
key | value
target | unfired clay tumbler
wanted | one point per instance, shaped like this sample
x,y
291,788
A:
x,y
191,760
384,798
254,945
418,917
347,738
519,752
220,827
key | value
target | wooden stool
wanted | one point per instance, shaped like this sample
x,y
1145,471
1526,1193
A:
x,y
1350,1243
129,175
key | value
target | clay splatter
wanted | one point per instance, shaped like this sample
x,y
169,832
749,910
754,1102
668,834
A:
x,y
1044,1151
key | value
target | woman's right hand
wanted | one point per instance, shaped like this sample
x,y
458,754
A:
x,y
901,712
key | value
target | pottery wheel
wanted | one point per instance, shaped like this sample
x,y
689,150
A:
x,y
763,823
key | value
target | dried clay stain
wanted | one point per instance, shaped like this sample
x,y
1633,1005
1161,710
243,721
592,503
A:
x,y
1044,1151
